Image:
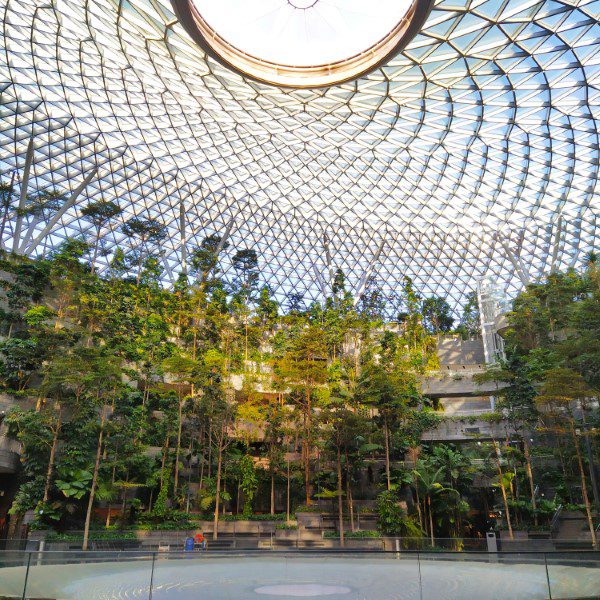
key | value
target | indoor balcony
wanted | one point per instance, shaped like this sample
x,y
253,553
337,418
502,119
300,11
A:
x,y
448,384
469,428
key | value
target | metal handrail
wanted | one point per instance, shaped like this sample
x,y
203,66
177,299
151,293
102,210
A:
x,y
34,559
555,518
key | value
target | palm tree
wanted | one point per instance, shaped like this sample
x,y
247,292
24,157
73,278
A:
x,y
431,483
455,465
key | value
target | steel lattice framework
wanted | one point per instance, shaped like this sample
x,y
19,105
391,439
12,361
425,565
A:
x,y
473,152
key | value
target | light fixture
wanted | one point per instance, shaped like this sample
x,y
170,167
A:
x,y
302,43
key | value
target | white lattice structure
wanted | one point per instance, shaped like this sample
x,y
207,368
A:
x,y
474,151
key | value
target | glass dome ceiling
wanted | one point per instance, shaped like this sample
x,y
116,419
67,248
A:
x,y
472,152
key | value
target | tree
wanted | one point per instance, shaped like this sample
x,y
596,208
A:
x,y
100,213
204,259
504,482
304,366
295,304
343,429
431,483
19,359
372,303
274,417
185,372
390,393
102,379
221,424
248,482
245,264
517,403
267,308
562,391
437,316
36,431
470,323
148,232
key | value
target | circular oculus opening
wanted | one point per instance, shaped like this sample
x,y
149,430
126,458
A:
x,y
302,43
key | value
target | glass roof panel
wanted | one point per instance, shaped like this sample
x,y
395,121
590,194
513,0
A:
x,y
451,160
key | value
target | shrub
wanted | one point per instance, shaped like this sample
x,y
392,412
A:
x,y
392,519
359,534
243,517
287,526
94,535
167,520
309,509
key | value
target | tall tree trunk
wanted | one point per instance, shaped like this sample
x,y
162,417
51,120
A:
x,y
386,432
52,457
209,466
218,491
178,449
140,263
419,503
112,481
307,447
88,515
287,503
563,466
95,255
430,520
530,478
164,460
340,499
586,500
349,496
272,491
503,490
124,504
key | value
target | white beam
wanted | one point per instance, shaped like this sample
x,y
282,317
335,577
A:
x,y
167,266
23,195
328,259
224,237
320,281
368,271
182,233
556,243
575,239
60,212
519,269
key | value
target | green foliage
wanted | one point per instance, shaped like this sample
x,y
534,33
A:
x,y
165,520
94,536
154,370
470,322
19,358
248,482
252,517
437,315
392,518
359,534
74,483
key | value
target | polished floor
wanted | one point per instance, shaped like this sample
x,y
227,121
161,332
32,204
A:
x,y
343,577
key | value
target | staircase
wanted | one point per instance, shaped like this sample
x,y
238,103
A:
x,y
572,531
